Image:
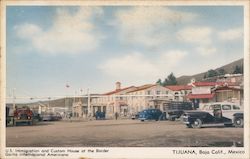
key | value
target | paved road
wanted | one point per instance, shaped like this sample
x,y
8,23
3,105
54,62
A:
x,y
121,133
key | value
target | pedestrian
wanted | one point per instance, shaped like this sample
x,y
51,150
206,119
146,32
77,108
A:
x,y
96,115
116,115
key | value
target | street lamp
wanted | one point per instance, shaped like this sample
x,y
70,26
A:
x,y
65,101
49,103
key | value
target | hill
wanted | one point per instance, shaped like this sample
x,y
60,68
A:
x,y
229,68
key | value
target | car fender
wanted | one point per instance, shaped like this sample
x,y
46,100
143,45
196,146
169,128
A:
x,y
238,115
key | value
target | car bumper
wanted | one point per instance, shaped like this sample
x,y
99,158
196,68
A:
x,y
23,120
185,120
143,118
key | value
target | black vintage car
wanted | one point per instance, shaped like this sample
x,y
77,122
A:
x,y
213,113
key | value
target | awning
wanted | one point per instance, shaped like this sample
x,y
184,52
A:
x,y
200,96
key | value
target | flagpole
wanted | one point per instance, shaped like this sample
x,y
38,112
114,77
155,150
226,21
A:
x,y
66,105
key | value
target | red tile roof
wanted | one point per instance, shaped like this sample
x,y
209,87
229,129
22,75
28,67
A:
x,y
146,86
118,90
200,96
179,87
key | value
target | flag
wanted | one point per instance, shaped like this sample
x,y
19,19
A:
x,y
67,85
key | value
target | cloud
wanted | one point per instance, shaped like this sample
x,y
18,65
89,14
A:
x,y
70,33
149,26
139,66
231,34
206,50
195,35
28,30
134,64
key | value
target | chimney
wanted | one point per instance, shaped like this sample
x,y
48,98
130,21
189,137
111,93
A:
x,y
118,85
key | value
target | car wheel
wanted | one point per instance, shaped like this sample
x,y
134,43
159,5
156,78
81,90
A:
x,y
173,119
197,123
157,119
189,125
238,122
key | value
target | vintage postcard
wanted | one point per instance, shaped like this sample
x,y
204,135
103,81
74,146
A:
x,y
125,79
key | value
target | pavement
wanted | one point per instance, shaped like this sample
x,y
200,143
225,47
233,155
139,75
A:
x,y
121,133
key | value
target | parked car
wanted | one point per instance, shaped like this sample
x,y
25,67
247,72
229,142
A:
x,y
23,115
135,116
47,117
213,113
37,117
151,114
51,117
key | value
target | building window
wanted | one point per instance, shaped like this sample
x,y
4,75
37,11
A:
x,y
166,92
158,93
148,92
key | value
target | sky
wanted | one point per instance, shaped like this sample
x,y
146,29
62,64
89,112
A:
x,y
91,48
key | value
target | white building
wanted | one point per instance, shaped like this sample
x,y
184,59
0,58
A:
x,y
148,96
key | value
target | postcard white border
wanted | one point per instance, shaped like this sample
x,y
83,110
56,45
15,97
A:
x,y
134,152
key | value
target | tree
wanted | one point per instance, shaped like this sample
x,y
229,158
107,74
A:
x,y
221,71
159,82
170,80
211,73
238,69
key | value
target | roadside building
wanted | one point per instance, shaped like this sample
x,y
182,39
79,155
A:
x,y
206,92
180,92
80,107
113,101
148,96
229,94
202,93
237,79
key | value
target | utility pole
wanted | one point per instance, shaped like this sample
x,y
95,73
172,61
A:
x,y
89,108
14,97
74,105
65,101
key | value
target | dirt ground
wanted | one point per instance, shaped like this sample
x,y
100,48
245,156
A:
x,y
121,133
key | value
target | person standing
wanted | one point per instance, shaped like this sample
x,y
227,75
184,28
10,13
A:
x,y
116,115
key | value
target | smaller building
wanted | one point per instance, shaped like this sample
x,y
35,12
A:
x,y
80,107
206,92
229,94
